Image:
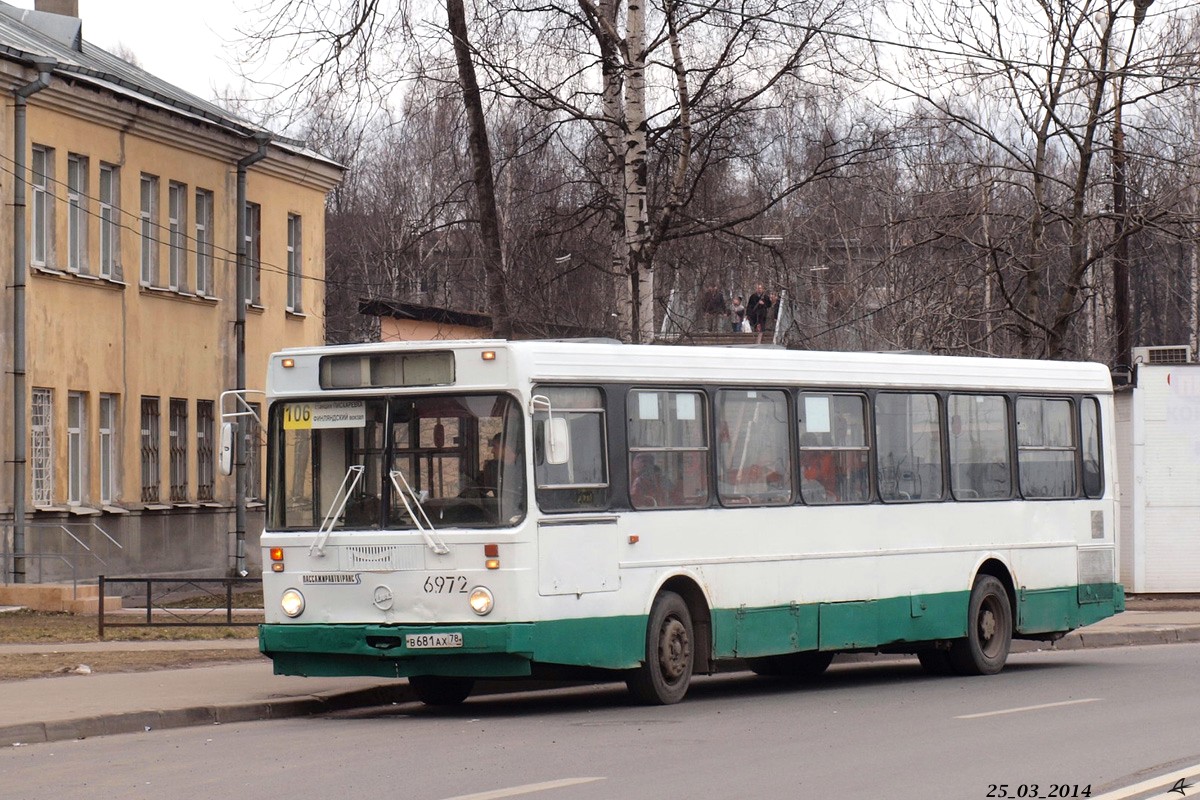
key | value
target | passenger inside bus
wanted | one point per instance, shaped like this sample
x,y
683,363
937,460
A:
x,y
648,488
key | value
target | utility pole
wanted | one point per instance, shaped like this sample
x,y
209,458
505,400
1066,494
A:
x,y
1120,205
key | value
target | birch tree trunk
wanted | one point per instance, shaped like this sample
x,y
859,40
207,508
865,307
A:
x,y
637,227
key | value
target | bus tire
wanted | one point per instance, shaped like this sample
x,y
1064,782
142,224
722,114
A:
x,y
989,630
799,666
663,677
441,690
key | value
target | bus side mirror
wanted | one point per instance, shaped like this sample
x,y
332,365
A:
x,y
558,441
226,451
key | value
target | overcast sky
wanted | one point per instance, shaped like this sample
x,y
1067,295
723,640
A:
x,y
181,41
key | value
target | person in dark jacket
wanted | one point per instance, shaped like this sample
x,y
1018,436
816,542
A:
x,y
758,309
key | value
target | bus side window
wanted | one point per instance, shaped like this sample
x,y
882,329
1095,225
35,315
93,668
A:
x,y
979,441
581,482
909,446
834,451
754,461
672,427
1093,473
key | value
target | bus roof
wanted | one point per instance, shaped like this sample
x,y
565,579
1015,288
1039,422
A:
x,y
593,361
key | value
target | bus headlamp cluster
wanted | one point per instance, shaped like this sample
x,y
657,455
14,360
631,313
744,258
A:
x,y
292,603
481,601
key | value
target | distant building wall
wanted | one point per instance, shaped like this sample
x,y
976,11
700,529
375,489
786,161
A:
x,y
146,336
1158,440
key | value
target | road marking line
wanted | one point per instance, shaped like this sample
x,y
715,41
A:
x,y
1029,708
1189,775
529,788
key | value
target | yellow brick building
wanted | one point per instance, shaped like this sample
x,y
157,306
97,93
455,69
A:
x,y
120,323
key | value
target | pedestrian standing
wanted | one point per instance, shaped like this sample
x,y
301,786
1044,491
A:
x,y
737,315
758,309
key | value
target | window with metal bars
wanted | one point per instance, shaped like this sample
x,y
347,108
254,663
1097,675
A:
x,y
151,479
205,477
41,429
177,435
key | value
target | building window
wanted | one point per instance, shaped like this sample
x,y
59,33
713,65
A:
x,y
77,474
110,228
108,448
42,228
41,428
205,447
177,434
295,276
77,213
176,226
204,242
250,290
253,446
149,232
150,458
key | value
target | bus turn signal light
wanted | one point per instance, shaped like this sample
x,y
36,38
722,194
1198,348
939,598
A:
x,y
493,563
277,554
489,355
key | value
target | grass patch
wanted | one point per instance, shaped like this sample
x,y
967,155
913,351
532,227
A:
x,y
38,627
21,666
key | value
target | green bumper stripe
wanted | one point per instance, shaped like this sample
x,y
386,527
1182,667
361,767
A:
x,y
509,649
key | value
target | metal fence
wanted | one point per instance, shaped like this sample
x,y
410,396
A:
x,y
177,603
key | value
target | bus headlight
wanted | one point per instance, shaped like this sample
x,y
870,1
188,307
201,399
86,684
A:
x,y
481,601
292,603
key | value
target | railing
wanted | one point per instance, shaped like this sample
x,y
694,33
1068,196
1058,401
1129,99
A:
x,y
10,560
158,592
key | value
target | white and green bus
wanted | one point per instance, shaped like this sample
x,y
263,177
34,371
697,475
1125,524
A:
x,y
457,510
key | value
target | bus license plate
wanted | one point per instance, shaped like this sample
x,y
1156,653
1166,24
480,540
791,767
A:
x,y
426,641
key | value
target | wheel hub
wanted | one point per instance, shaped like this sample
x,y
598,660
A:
x,y
675,650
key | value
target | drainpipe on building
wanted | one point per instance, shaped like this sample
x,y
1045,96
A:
x,y
44,66
239,451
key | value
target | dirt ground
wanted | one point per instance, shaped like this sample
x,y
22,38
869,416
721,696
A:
x,y
52,630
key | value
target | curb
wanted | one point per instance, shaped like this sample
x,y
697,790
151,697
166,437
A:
x,y
309,705
146,721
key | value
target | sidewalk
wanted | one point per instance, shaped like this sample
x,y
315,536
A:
x,y
74,707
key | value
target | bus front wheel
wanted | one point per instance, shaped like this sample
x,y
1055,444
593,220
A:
x,y
663,677
440,690
989,630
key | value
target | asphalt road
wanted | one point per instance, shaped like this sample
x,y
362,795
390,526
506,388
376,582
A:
x,y
1064,721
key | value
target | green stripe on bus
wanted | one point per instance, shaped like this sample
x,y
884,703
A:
x,y
508,649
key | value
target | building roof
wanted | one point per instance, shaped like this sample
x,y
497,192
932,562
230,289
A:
x,y
27,37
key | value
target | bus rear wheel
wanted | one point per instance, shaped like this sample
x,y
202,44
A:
x,y
441,690
801,666
984,650
664,676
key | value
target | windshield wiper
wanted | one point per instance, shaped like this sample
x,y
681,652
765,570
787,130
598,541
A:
x,y
336,507
436,545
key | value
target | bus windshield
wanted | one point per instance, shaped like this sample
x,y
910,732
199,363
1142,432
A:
x,y
462,456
